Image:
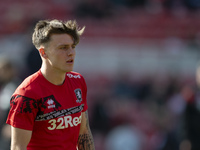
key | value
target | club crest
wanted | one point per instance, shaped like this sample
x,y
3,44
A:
x,y
78,95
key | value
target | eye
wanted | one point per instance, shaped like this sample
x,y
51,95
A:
x,y
64,47
67,47
73,46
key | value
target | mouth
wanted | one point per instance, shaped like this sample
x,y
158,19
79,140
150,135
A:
x,y
71,61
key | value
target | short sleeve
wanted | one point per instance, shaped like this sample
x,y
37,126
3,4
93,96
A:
x,y
23,111
84,89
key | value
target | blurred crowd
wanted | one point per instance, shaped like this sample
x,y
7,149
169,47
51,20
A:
x,y
14,12
149,112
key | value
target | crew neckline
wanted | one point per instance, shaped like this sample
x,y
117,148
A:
x,y
48,82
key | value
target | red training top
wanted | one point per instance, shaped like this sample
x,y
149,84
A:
x,y
51,112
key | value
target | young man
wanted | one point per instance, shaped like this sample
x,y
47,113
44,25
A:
x,y
49,108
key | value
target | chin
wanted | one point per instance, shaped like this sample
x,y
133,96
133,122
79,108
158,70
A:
x,y
68,70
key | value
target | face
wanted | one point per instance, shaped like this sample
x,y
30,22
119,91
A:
x,y
60,53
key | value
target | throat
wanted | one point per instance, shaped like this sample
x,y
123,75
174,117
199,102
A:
x,y
54,77
58,81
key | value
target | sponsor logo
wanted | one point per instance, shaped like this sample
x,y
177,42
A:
x,y
51,104
78,95
64,122
73,76
59,113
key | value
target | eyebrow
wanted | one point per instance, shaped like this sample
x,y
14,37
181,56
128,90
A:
x,y
60,45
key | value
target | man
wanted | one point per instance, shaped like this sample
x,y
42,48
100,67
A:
x,y
49,108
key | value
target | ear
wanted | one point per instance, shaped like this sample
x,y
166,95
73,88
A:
x,y
42,53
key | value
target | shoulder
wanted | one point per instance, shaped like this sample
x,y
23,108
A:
x,y
29,86
76,77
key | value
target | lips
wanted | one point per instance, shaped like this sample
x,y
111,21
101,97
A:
x,y
70,61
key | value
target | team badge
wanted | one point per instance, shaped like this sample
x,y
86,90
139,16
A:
x,y
78,95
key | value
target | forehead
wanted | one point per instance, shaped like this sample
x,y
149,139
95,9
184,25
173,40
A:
x,y
61,39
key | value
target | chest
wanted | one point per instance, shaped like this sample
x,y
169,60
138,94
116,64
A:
x,y
60,101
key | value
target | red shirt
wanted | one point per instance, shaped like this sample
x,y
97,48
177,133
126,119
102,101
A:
x,y
51,112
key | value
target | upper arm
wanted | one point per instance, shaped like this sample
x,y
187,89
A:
x,y
20,138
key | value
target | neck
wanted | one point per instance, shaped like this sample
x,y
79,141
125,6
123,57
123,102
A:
x,y
52,75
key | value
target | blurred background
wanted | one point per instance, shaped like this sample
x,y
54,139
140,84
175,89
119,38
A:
x,y
139,59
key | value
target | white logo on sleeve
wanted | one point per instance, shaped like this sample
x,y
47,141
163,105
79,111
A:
x,y
73,76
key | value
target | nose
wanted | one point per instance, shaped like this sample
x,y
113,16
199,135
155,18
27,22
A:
x,y
71,52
